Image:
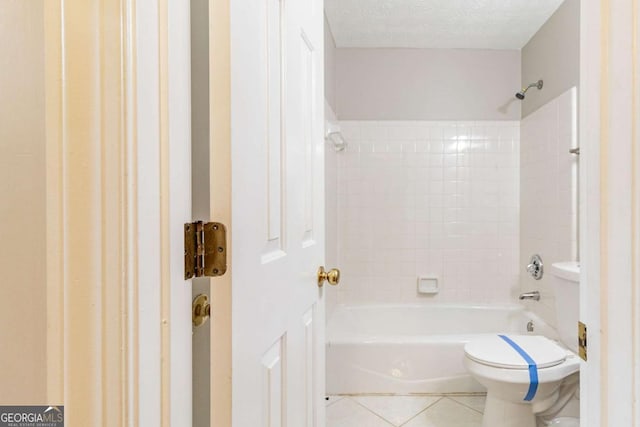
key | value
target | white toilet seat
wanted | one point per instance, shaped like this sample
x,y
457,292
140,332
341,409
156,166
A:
x,y
497,361
523,375
511,351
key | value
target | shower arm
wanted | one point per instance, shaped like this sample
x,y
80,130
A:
x,y
520,95
537,84
530,86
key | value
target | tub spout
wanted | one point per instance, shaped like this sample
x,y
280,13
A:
x,y
534,295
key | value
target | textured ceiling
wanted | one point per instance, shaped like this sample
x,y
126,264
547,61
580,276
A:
x,y
473,24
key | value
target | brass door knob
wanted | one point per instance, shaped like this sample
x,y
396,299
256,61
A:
x,y
332,276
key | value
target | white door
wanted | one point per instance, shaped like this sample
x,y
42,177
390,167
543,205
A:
x,y
277,230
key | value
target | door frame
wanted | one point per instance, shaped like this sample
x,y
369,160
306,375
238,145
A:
x,y
220,375
118,152
610,212
91,231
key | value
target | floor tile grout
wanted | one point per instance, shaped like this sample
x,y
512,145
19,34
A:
x,y
466,406
379,416
425,409
337,400
439,398
411,394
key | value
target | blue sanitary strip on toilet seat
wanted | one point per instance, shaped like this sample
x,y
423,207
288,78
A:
x,y
533,368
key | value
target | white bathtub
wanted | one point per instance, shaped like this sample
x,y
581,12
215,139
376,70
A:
x,y
412,349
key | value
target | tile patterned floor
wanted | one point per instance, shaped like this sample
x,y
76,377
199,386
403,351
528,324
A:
x,y
405,411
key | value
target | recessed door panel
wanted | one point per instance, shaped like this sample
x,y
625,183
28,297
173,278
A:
x,y
273,385
307,111
275,136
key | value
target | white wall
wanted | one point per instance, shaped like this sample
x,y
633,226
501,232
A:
x,y
23,304
427,84
553,54
428,198
548,221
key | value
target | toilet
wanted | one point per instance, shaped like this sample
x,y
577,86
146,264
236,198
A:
x,y
530,375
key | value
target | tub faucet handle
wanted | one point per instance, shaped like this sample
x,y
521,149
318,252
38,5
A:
x,y
534,295
535,267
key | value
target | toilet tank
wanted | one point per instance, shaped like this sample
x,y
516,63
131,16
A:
x,y
565,280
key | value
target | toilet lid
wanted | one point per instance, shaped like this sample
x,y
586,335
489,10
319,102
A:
x,y
495,351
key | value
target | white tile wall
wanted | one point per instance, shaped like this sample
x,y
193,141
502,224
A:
x,y
428,198
548,194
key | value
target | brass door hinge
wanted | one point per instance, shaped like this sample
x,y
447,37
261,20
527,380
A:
x,y
582,341
205,249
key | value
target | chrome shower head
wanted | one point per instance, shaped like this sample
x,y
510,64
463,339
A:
x,y
538,84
